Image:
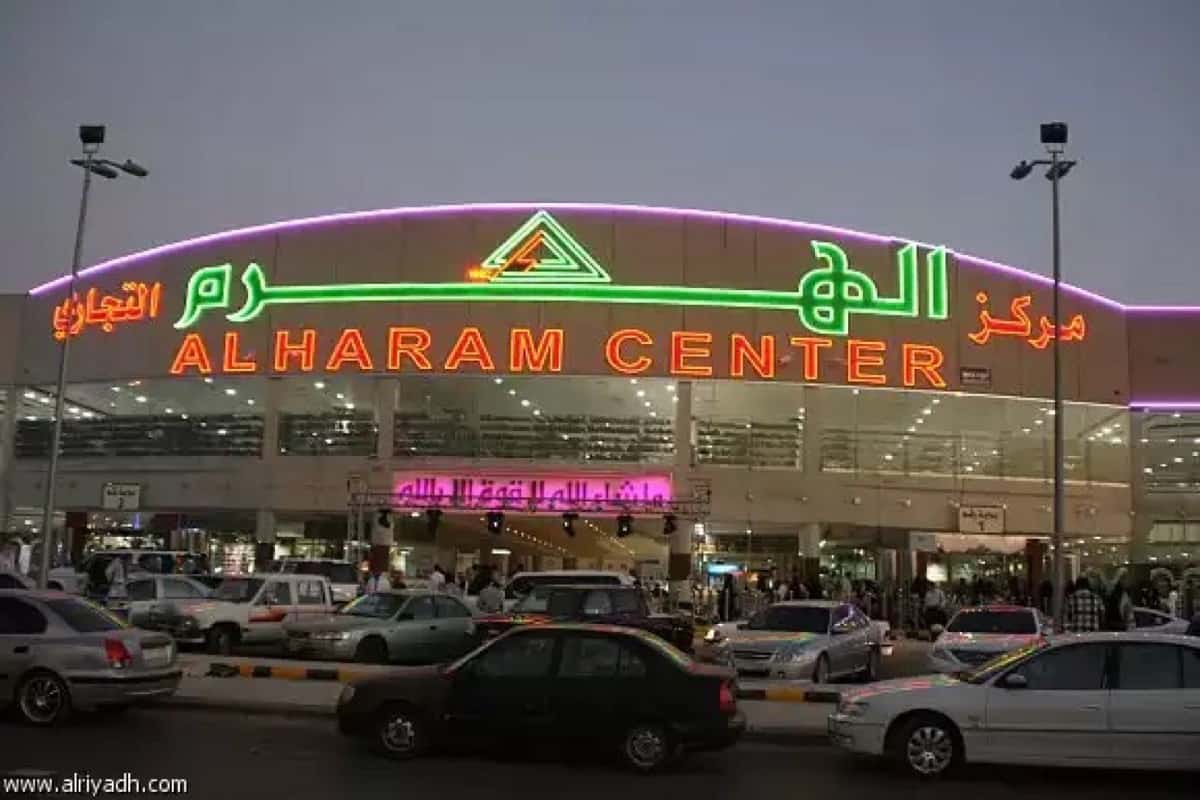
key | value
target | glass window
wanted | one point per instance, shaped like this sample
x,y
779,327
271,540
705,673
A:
x,y
1077,667
140,590
157,563
520,656
310,593
381,605
84,617
628,601
1148,667
1008,622
799,619
276,593
174,589
536,602
20,618
1148,619
1191,667
238,590
597,603
590,657
420,608
449,607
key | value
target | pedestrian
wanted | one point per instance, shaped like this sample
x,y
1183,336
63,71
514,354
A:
x,y
725,599
437,579
781,591
491,598
377,582
1118,607
115,573
1084,610
935,606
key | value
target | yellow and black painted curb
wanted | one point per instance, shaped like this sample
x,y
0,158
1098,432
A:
x,y
245,669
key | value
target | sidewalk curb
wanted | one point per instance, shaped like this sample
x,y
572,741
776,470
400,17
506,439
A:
x,y
782,736
783,694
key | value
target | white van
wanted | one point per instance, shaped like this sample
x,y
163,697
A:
x,y
342,575
523,583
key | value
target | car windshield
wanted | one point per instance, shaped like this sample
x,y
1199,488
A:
x,y
519,587
798,619
536,602
335,572
377,606
83,617
1007,622
987,670
238,590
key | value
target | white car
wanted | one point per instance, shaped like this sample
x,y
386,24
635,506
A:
x,y
1124,700
976,635
523,583
248,609
343,576
146,594
1149,619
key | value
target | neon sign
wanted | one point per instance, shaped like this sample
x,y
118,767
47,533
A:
x,y
626,351
541,262
141,301
1021,326
532,492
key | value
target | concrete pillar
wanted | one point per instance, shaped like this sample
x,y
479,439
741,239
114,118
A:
x,y
8,440
808,550
385,416
679,559
270,411
264,538
382,539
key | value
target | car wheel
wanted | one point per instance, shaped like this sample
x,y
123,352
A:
x,y
821,670
371,651
870,672
400,733
928,746
220,641
647,747
43,699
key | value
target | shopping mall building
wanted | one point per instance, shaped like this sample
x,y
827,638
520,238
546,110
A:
x,y
776,391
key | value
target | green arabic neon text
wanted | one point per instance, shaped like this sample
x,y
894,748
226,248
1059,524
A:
x,y
826,297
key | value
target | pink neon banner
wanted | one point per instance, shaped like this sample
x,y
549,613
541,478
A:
x,y
536,492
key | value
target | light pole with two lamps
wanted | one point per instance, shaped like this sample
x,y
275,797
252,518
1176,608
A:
x,y
90,137
1054,138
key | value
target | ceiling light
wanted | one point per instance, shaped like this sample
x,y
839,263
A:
x,y
498,381
537,412
525,404
231,391
633,381
208,380
118,388
30,396
221,431
250,401
670,387
350,406
88,415
641,392
31,418
170,411
937,400
141,398
319,384
512,392
927,411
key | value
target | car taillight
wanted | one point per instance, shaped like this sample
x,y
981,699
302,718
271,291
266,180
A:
x,y
728,699
116,653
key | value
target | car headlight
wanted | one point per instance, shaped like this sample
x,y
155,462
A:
x,y
853,708
797,654
713,635
347,694
330,636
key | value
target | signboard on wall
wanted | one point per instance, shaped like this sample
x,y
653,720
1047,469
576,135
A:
x,y
532,492
121,497
981,519
975,376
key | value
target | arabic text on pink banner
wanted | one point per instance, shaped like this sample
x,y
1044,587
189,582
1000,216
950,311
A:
x,y
536,492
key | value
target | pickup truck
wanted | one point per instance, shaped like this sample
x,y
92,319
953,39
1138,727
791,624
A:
x,y
607,605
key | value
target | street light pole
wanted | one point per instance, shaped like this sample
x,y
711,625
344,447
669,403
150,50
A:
x,y
63,351
91,137
1060,567
1054,137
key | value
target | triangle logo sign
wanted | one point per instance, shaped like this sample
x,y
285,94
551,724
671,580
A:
x,y
541,251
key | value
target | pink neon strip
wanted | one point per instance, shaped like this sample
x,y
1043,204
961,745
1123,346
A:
x,y
1165,405
361,216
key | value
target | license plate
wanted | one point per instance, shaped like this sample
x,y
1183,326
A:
x,y
157,657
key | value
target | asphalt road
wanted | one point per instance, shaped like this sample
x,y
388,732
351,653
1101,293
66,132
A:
x,y
229,755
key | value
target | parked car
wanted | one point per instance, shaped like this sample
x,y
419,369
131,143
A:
x,y
579,686
343,576
246,610
817,640
522,583
387,626
15,580
91,576
1150,619
146,594
979,634
1128,700
59,652
591,603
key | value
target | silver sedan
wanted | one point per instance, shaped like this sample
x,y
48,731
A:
x,y
59,653
387,626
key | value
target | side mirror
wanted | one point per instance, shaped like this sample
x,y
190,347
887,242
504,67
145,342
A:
x,y
1014,680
